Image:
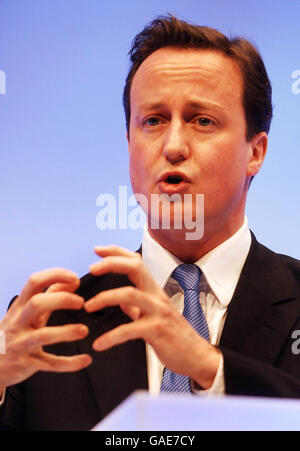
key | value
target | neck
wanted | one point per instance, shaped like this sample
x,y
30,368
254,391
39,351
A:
x,y
190,251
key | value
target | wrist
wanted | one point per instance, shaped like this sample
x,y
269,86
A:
x,y
205,373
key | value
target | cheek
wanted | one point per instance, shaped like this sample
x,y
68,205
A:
x,y
134,172
223,168
139,170
231,155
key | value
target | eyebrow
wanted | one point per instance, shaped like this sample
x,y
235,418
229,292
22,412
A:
x,y
207,105
191,104
151,106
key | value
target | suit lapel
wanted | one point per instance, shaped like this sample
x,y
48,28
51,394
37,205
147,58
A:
x,y
263,308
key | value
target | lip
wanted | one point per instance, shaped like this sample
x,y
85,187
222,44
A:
x,y
165,175
170,188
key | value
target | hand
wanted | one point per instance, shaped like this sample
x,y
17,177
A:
x,y
25,328
155,319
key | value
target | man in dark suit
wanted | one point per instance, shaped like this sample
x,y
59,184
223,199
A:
x,y
198,111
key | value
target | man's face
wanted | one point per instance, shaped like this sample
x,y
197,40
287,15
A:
x,y
187,120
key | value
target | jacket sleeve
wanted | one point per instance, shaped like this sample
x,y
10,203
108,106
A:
x,y
246,376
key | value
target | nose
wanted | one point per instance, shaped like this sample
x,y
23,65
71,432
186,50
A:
x,y
176,147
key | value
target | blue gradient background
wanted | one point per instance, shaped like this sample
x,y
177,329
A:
x,y
62,128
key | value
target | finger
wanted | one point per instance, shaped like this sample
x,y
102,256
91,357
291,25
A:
x,y
63,364
116,264
57,287
132,311
42,304
132,267
39,281
52,335
135,269
104,251
71,287
43,317
125,295
121,334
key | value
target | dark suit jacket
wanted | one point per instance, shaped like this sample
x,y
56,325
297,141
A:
x,y
256,344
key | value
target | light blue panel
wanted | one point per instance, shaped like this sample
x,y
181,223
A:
x,y
62,128
179,412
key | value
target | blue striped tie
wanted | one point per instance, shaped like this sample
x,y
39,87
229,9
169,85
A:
x,y
188,277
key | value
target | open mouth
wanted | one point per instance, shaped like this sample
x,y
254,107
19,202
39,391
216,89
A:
x,y
173,179
172,183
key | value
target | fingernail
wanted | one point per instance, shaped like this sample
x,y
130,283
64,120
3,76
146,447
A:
x,y
89,305
78,303
83,330
94,267
71,278
98,346
87,359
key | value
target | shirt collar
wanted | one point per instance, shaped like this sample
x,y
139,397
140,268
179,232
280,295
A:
x,y
221,266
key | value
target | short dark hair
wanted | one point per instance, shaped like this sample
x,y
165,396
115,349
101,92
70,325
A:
x,y
169,31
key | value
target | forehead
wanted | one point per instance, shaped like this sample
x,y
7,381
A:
x,y
195,72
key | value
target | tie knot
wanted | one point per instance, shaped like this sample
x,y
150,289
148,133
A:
x,y
188,276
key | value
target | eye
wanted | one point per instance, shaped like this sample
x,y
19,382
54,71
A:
x,y
205,121
152,121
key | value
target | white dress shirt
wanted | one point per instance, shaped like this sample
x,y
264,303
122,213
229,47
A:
x,y
2,397
221,269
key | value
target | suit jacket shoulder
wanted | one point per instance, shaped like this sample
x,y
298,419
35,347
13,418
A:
x,y
257,336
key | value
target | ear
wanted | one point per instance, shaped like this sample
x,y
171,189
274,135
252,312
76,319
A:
x,y
258,149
